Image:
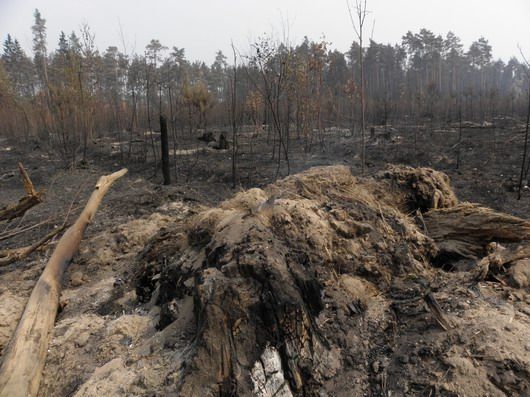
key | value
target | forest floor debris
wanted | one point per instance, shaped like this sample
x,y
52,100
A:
x,y
313,284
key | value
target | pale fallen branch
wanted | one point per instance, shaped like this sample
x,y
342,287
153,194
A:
x,y
9,256
20,230
25,356
31,199
15,232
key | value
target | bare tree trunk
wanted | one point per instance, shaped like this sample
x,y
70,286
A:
x,y
147,78
83,123
527,172
459,144
173,131
25,355
525,150
358,27
133,117
164,142
363,145
234,125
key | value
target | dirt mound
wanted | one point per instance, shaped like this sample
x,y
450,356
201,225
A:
x,y
318,284
321,284
420,188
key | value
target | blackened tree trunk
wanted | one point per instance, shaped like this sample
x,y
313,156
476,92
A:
x,y
234,122
165,150
459,144
525,150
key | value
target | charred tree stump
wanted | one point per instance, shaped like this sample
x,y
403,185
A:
x,y
164,141
25,356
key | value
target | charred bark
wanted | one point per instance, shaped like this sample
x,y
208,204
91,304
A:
x,y
164,141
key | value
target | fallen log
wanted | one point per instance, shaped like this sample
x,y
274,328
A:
x,y
16,232
9,256
31,199
465,230
24,358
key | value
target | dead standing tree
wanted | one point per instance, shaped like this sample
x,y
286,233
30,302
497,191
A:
x,y
233,119
270,61
164,143
25,356
358,15
148,108
459,143
525,150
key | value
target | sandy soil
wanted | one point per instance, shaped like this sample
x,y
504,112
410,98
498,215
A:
x,y
108,342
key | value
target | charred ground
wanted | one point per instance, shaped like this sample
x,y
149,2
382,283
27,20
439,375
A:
x,y
172,295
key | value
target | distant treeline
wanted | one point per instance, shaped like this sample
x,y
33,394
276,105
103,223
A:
x,y
71,93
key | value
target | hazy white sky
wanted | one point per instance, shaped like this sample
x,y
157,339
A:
x,y
203,26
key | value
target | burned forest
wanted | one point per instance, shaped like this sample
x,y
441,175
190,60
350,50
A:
x,y
292,219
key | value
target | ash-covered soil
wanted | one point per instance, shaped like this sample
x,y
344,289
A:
x,y
316,285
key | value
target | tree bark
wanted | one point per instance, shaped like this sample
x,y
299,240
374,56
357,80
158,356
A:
x,y
525,150
466,229
234,123
25,355
164,141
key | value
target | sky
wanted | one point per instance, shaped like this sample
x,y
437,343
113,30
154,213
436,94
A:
x,y
204,26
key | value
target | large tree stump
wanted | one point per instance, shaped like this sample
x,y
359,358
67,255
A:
x,y
25,355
